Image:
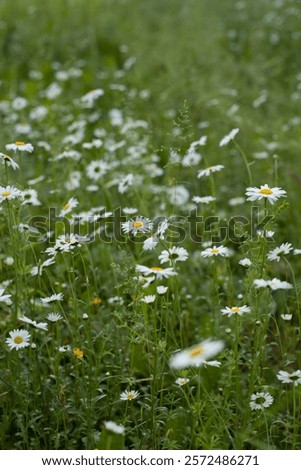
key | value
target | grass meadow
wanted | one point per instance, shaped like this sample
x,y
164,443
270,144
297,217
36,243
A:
x,y
150,251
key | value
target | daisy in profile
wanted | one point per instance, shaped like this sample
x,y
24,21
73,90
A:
x,y
286,316
129,395
157,272
9,192
148,299
182,381
209,170
53,317
162,290
230,311
20,146
6,160
261,400
69,206
273,284
290,377
19,339
284,249
40,325
5,297
265,192
197,355
246,262
227,138
173,255
215,251
52,298
150,243
137,225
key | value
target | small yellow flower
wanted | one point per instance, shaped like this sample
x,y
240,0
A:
x,y
96,301
78,353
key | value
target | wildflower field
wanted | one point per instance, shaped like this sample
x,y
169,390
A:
x,y
150,224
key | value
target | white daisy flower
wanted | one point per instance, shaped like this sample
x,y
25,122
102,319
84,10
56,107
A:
x,y
283,249
162,290
30,197
286,316
215,251
97,169
150,243
129,395
265,233
21,146
69,206
9,192
40,326
271,194
230,311
290,377
209,170
261,400
52,298
203,200
182,381
89,98
173,255
162,228
18,339
5,298
227,138
157,272
137,225
53,317
246,262
197,355
96,143
191,158
274,284
148,299
129,210
64,348
19,103
7,160
113,427
74,181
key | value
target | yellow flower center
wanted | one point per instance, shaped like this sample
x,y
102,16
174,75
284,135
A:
x,y
265,191
66,207
96,301
214,251
20,143
130,396
235,309
18,340
6,193
78,353
155,268
197,351
138,224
